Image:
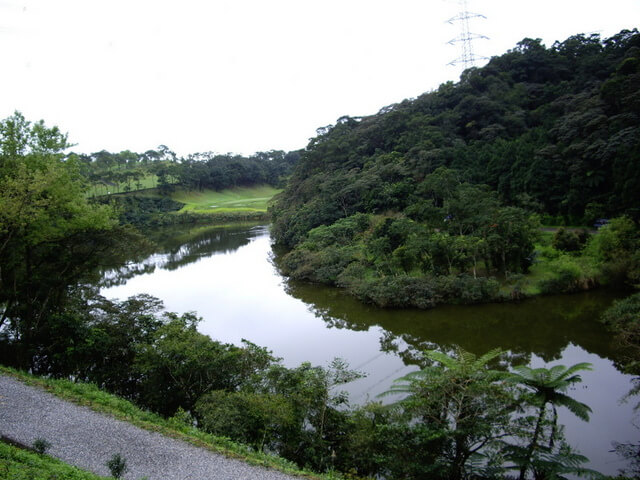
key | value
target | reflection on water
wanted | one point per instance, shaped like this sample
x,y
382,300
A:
x,y
225,274
176,248
542,326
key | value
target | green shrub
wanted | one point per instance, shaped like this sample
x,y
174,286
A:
x,y
467,289
398,292
254,419
321,266
117,465
568,274
570,240
41,445
623,317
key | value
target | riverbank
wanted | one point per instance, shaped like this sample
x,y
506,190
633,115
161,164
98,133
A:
x,y
394,262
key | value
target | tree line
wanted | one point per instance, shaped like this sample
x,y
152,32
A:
x,y
129,171
553,130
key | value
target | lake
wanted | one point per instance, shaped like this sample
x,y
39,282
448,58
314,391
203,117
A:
x,y
228,276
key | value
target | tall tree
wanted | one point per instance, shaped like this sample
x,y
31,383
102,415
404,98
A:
x,y
49,233
466,407
547,387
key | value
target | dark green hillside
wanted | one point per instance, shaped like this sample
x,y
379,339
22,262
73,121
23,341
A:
x,y
449,181
554,129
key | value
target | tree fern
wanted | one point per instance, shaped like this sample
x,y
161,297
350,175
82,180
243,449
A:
x,y
547,386
460,398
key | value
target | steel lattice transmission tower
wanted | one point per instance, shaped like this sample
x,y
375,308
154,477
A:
x,y
466,37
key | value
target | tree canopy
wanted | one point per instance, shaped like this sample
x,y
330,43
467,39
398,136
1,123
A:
x,y
447,188
51,235
553,129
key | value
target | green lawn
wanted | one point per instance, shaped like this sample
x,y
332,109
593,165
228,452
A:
x,y
239,199
148,181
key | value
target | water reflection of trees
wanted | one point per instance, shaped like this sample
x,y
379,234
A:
x,y
543,326
175,248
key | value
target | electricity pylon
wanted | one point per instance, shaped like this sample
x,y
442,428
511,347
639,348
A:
x,y
466,37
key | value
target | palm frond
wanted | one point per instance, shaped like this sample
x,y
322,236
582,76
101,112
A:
x,y
444,359
579,409
562,373
488,357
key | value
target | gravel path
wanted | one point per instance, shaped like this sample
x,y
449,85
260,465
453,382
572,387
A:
x,y
88,439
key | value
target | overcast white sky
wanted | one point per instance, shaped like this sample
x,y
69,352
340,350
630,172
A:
x,y
249,75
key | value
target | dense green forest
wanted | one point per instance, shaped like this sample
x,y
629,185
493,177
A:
x,y
434,199
440,198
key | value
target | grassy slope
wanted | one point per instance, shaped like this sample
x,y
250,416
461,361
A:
x,y
94,398
20,464
148,181
239,199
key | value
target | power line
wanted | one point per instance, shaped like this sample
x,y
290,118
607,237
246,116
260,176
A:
x,y
467,58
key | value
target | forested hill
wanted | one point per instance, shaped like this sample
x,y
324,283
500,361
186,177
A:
x,y
552,129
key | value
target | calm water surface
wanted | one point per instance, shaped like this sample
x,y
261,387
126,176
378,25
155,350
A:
x,y
228,277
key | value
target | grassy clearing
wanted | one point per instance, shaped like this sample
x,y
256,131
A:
x,y
96,189
91,396
20,464
239,199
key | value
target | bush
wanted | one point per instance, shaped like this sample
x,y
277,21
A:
x,y
568,274
117,465
41,445
323,266
466,289
398,292
623,312
255,419
570,240
623,317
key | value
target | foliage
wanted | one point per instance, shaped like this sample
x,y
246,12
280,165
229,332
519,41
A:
x,y
537,130
623,317
464,407
126,171
311,432
447,253
41,445
51,237
617,247
141,210
568,274
547,387
117,465
254,419
570,240
180,364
